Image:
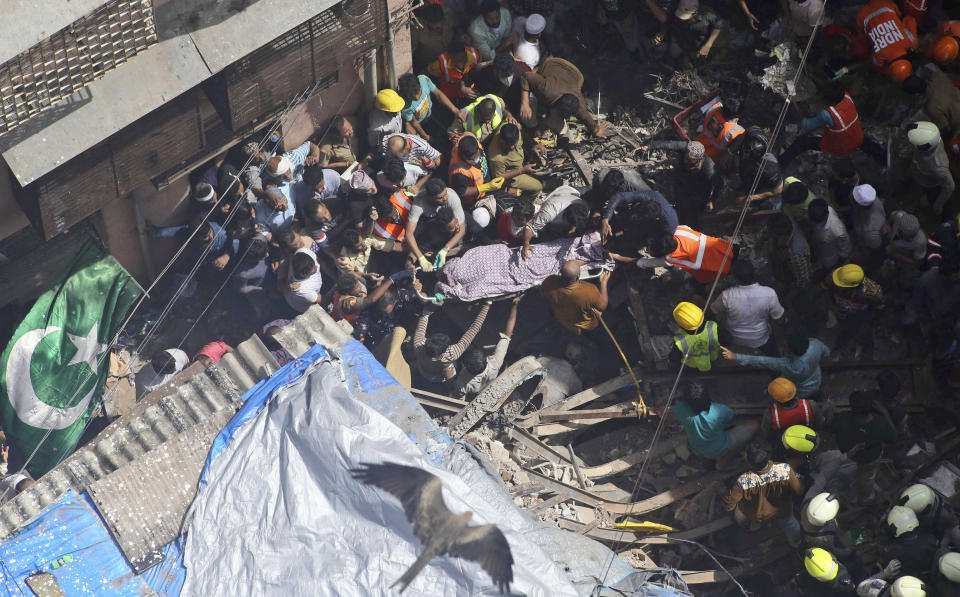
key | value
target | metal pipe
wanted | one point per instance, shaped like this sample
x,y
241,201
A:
x,y
388,56
370,77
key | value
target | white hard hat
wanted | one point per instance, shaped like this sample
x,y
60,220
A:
x,y
902,520
923,135
918,497
821,509
908,586
949,566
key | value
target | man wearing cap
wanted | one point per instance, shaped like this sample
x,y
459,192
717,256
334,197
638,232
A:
x,y
908,242
492,30
826,576
697,184
930,166
338,147
855,297
384,119
528,47
286,170
869,219
801,366
695,29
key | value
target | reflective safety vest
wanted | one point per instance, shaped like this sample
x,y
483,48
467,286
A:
x,y
338,303
477,174
451,76
845,134
395,230
916,9
473,126
699,254
704,347
781,418
718,133
880,21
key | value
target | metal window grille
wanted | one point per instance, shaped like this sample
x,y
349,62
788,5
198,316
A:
x,y
66,61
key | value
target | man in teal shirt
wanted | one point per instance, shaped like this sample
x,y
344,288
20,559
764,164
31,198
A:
x,y
801,366
705,424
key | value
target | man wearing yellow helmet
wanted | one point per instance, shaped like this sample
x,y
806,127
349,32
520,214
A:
x,y
855,298
384,119
697,339
825,574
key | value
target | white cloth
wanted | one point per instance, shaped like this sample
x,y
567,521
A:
x,y
529,52
747,312
308,290
147,379
553,207
830,242
468,386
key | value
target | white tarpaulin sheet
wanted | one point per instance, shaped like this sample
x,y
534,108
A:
x,y
281,515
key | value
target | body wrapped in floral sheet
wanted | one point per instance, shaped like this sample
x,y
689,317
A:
x,y
495,270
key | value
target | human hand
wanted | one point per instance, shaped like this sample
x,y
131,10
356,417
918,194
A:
x,y
657,39
525,252
468,92
375,278
854,450
892,570
529,169
221,262
372,213
641,149
728,354
704,51
462,115
601,132
425,264
606,231
754,21
526,113
441,259
516,300
417,286
605,276
540,149
293,286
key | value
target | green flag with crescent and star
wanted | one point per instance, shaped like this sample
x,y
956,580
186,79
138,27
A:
x,y
53,372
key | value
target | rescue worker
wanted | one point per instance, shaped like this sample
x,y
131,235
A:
x,y
450,68
946,46
818,520
506,158
892,37
387,217
703,256
908,586
825,574
842,132
931,508
469,171
787,409
911,545
930,166
945,579
798,443
484,117
917,9
350,296
880,583
722,134
697,338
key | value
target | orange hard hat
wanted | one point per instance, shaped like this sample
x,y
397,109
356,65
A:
x,y
782,389
900,69
946,49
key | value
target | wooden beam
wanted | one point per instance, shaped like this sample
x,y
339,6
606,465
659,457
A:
x,y
579,399
627,411
581,165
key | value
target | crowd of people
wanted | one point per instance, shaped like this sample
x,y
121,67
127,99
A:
x,y
440,195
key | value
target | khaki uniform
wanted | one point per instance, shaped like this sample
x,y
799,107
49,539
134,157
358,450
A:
x,y
333,151
500,161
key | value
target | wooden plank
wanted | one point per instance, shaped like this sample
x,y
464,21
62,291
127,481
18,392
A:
x,y
436,404
439,397
576,467
526,489
626,410
547,504
582,166
578,399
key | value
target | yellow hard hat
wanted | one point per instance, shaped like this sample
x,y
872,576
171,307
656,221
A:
x,y
848,276
908,586
820,564
821,509
688,316
918,497
389,100
800,438
949,566
946,49
782,389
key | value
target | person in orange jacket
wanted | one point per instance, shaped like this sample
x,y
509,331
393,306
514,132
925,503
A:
x,y
891,35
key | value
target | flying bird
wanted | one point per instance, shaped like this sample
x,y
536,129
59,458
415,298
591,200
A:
x,y
439,530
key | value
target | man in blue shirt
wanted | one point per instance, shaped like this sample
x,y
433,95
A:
x,y
801,366
275,212
705,424
286,170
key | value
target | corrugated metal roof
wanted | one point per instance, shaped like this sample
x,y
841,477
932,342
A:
x,y
191,54
198,401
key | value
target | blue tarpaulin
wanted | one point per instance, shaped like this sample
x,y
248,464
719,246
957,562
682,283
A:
x,y
69,531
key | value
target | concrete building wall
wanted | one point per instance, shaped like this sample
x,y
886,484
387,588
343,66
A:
x,y
12,217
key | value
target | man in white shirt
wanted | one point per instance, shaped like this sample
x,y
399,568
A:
x,y
303,281
162,368
747,310
528,47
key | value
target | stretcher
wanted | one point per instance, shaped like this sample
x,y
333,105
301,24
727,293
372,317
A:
x,y
683,121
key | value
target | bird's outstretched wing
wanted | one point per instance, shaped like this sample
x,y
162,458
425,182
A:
x,y
418,491
487,545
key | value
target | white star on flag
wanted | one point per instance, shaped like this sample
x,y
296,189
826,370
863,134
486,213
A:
x,y
88,349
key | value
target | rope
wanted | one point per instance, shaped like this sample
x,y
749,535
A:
x,y
641,406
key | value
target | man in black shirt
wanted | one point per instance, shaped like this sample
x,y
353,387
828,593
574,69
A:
x,y
697,184
862,434
501,78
